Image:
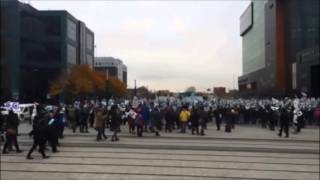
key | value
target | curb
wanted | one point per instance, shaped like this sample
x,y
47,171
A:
x,y
187,147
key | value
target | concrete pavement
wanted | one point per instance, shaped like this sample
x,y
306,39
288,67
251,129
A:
x,y
247,153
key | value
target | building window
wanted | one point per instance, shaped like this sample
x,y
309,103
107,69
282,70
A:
x,y
71,54
89,41
89,59
253,42
71,30
53,27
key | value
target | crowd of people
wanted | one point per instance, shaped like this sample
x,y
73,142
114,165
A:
x,y
155,116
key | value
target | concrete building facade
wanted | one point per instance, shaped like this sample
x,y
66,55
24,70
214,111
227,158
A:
x,y
111,67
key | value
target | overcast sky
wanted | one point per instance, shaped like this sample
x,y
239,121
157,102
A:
x,y
165,44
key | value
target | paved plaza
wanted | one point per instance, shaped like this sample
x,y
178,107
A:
x,y
249,152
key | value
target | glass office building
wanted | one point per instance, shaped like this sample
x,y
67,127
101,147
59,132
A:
x,y
253,40
289,44
36,46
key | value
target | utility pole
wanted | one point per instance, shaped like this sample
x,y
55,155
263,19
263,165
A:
x,y
135,87
107,86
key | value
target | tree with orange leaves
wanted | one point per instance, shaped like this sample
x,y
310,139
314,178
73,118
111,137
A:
x,y
58,85
82,80
117,87
114,86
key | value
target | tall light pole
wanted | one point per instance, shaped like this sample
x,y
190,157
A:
x,y
107,86
135,87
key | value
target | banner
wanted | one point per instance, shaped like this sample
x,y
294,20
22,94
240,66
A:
x,y
12,105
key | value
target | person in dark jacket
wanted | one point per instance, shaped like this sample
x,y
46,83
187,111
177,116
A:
x,y
53,130
218,117
229,119
176,118
275,118
156,120
1,128
60,123
270,117
139,122
168,116
91,115
83,119
210,115
263,115
285,116
72,117
194,118
1,120
145,112
115,117
203,117
11,132
40,124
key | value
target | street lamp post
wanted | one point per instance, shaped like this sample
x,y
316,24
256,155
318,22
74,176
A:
x,y
107,86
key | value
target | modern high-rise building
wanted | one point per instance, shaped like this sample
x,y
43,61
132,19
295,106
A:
x,y
111,67
85,44
280,47
37,46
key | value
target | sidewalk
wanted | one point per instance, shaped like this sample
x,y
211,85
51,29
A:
x,y
241,132
247,153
